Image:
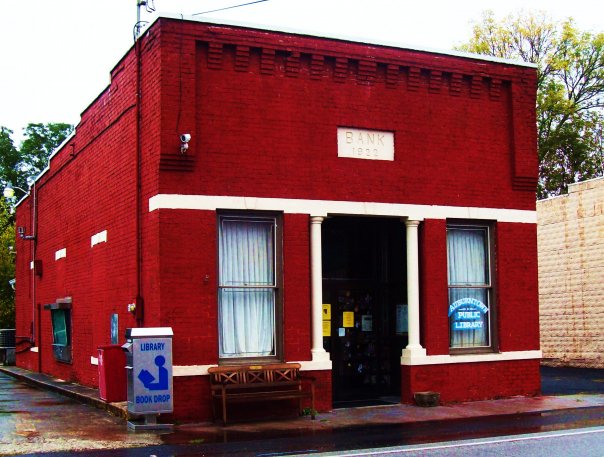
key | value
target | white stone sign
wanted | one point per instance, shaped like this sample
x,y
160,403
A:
x,y
365,144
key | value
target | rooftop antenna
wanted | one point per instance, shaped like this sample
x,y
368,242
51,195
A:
x,y
140,25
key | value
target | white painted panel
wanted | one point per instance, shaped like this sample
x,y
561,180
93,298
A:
x,y
365,144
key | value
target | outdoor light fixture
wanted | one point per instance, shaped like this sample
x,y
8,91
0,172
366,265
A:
x,y
23,236
9,190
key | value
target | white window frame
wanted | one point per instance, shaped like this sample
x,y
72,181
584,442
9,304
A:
x,y
488,287
275,219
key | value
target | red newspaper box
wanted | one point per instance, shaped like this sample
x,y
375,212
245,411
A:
x,y
112,373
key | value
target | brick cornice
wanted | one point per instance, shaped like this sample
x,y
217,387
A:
x,y
339,48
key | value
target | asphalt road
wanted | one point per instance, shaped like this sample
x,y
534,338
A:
x,y
570,381
582,442
347,440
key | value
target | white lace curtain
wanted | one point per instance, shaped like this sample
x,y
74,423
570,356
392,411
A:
x,y
468,266
247,287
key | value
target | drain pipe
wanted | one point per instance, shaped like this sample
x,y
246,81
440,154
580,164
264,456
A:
x,y
140,306
36,333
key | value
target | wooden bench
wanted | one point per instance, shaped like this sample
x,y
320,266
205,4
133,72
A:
x,y
258,383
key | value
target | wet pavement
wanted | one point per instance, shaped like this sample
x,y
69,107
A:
x,y
34,422
569,381
306,441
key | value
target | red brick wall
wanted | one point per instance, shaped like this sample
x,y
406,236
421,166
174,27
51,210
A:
x,y
517,286
434,298
265,130
296,270
188,274
91,187
263,111
472,381
323,400
191,399
24,299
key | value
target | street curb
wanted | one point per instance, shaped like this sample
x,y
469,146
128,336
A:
x,y
90,396
74,391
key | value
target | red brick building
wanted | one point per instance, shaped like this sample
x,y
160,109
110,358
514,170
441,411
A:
x,y
363,209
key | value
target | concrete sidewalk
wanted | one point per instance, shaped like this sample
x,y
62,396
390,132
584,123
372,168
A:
x,y
77,392
398,413
326,422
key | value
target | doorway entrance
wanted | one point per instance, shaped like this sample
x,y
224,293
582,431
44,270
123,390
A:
x,y
364,292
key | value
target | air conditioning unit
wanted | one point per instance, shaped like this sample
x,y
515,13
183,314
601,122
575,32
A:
x,y
7,346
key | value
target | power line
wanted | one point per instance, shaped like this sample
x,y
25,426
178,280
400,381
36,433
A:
x,y
230,7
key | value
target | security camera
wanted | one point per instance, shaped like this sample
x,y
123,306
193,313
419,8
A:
x,y
185,137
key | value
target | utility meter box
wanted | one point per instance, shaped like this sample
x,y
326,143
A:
x,y
149,370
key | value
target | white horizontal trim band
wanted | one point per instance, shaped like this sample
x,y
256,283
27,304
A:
x,y
309,365
202,370
471,358
333,207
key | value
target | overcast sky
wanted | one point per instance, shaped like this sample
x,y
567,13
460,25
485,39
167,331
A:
x,y
56,55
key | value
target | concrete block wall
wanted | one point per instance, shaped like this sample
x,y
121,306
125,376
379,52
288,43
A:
x,y
571,276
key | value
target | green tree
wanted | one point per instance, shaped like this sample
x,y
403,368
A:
x,y
7,266
19,166
570,88
9,159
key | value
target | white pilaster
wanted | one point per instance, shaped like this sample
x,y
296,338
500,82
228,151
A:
x,y
316,273
413,349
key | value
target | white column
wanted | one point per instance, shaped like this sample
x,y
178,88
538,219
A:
x,y
413,349
316,273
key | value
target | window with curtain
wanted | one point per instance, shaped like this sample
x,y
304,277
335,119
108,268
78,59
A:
x,y
248,286
469,274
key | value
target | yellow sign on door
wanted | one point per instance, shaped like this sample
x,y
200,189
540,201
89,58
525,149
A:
x,y
348,319
326,328
326,311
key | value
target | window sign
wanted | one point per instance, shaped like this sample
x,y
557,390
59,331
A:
x,y
114,329
467,314
326,311
469,273
348,319
326,328
367,323
401,319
